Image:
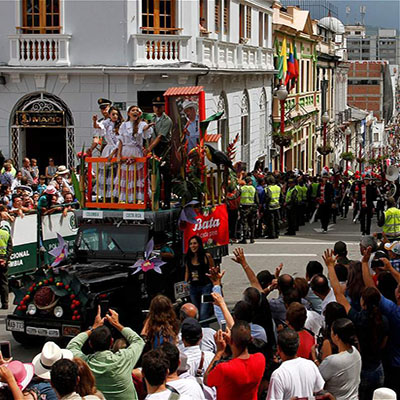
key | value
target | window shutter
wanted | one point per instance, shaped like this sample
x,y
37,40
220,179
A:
x,y
217,15
226,17
248,22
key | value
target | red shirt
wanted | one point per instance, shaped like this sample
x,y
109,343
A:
x,y
237,378
306,342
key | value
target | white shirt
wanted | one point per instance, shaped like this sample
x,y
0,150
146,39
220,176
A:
x,y
298,377
164,395
188,387
207,342
314,322
330,298
193,354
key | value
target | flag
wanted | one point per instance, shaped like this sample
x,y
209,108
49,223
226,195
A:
x,y
284,57
279,65
290,66
296,67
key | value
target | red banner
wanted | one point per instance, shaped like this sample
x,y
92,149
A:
x,y
212,227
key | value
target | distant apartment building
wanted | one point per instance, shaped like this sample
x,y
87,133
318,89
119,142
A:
x,y
384,46
318,8
370,88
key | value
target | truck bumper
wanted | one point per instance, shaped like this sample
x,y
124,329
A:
x,y
42,326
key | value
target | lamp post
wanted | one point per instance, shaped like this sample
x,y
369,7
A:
x,y
325,120
347,132
282,94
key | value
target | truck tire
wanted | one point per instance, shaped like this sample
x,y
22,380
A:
x,y
25,339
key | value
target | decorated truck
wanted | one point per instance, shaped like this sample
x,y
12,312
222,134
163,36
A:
x,y
120,251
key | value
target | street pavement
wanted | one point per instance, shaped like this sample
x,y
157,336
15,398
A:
x,y
293,251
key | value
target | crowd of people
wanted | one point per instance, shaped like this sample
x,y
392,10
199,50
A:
x,y
26,190
262,203
332,334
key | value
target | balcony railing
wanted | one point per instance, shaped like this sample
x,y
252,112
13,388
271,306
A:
x,y
37,49
224,55
151,49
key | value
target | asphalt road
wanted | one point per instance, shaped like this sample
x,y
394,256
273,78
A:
x,y
293,251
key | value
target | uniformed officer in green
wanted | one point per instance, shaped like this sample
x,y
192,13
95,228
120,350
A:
x,y
248,210
161,145
291,201
391,220
312,196
302,201
5,254
273,204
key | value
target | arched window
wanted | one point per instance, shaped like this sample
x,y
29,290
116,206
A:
x,y
41,16
223,122
245,129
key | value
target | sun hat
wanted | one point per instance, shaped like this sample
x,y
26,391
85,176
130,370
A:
x,y
51,353
62,170
23,372
189,103
395,247
50,190
384,394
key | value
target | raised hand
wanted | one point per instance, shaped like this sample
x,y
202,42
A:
x,y
239,256
329,258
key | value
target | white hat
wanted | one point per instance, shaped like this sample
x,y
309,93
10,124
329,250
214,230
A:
x,y
62,170
50,189
189,103
395,247
50,354
384,394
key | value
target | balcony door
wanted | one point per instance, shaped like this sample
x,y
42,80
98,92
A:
x,y
40,16
158,17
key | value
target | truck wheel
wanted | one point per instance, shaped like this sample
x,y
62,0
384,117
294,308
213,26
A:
x,y
25,339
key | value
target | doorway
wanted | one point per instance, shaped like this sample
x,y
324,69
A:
x,y
45,143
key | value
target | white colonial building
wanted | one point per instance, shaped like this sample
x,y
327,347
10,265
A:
x,y
57,57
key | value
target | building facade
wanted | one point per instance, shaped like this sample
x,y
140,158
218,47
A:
x,y
303,102
58,57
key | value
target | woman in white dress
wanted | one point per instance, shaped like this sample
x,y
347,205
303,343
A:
x,y
133,132
110,132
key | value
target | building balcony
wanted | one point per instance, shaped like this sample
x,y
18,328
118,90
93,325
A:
x,y
298,104
39,50
156,49
225,55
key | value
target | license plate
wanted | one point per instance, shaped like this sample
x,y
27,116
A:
x,y
33,330
15,325
181,290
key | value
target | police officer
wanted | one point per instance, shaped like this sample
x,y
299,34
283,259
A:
x,y
366,196
312,192
325,197
302,201
291,201
5,254
273,204
391,220
248,210
104,106
161,145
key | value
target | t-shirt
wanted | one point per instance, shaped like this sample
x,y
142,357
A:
x,y
42,203
164,395
307,341
371,354
298,377
314,322
342,374
188,387
238,378
392,313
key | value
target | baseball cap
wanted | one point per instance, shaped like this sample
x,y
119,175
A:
x,y
191,329
395,247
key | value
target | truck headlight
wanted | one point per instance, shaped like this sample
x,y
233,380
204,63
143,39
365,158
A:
x,y
58,312
31,310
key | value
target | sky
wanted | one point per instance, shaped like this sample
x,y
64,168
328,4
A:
x,y
379,13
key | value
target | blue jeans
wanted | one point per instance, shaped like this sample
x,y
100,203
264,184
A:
x,y
205,309
371,379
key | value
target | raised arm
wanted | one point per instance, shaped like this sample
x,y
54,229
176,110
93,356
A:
x,y
368,281
220,302
329,260
251,276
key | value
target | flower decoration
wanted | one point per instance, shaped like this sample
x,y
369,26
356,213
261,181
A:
x,y
60,252
149,262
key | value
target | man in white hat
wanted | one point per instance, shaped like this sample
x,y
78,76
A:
x,y
192,127
6,247
43,362
384,394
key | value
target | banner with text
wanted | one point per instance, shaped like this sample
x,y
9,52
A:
x,y
212,227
